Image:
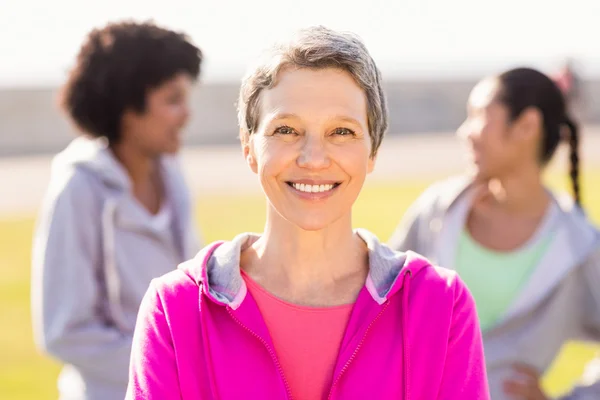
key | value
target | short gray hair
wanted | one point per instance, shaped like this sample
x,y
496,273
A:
x,y
317,48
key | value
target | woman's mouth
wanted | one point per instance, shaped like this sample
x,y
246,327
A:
x,y
307,188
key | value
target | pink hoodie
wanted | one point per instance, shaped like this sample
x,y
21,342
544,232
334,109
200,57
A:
x,y
413,334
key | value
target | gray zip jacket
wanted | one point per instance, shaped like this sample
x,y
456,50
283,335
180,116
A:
x,y
95,252
559,302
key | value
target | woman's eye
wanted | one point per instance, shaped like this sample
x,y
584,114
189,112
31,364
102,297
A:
x,y
175,97
284,130
343,131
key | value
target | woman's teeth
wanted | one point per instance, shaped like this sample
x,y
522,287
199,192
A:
x,y
312,188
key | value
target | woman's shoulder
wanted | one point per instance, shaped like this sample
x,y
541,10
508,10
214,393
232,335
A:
x,y
582,233
439,286
172,299
440,302
176,286
187,279
69,179
437,277
439,196
448,189
70,191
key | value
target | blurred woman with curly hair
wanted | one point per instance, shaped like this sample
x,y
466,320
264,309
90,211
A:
x,y
117,211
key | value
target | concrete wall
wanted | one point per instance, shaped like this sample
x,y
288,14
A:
x,y
30,122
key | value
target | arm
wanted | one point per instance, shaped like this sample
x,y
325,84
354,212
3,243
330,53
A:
x,y
465,375
589,388
153,370
65,293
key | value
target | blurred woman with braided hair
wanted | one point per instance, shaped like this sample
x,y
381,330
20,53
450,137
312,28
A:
x,y
530,257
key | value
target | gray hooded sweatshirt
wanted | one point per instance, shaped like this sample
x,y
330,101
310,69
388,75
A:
x,y
95,251
559,302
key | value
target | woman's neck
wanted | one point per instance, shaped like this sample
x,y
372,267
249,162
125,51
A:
x,y
325,267
144,173
139,166
507,211
521,193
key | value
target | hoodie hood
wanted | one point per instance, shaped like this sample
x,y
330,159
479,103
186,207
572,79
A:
x,y
581,237
94,156
575,238
218,265
121,211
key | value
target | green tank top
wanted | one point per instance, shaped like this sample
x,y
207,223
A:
x,y
494,278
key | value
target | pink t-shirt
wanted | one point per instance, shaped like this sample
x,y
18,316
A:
x,y
306,339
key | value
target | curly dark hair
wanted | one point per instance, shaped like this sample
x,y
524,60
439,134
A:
x,y
115,68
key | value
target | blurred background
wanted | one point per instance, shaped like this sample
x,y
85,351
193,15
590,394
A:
x,y
431,53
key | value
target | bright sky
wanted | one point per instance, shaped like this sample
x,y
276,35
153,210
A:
x,y
39,38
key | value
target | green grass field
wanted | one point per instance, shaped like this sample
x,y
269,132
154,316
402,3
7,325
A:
x,y
25,374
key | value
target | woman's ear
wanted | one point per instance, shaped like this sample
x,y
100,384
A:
x,y
530,123
371,163
248,151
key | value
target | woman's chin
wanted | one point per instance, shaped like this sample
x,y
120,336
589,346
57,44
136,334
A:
x,y
312,222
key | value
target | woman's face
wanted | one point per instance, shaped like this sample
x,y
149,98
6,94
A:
x,y
157,129
495,147
312,148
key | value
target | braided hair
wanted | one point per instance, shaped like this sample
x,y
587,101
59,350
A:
x,y
522,88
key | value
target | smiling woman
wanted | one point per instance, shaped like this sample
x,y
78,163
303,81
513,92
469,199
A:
x,y
309,309
323,144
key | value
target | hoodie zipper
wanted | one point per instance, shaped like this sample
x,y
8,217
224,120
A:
x,y
269,349
405,355
356,350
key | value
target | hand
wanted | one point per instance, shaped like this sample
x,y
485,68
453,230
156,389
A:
x,y
525,384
